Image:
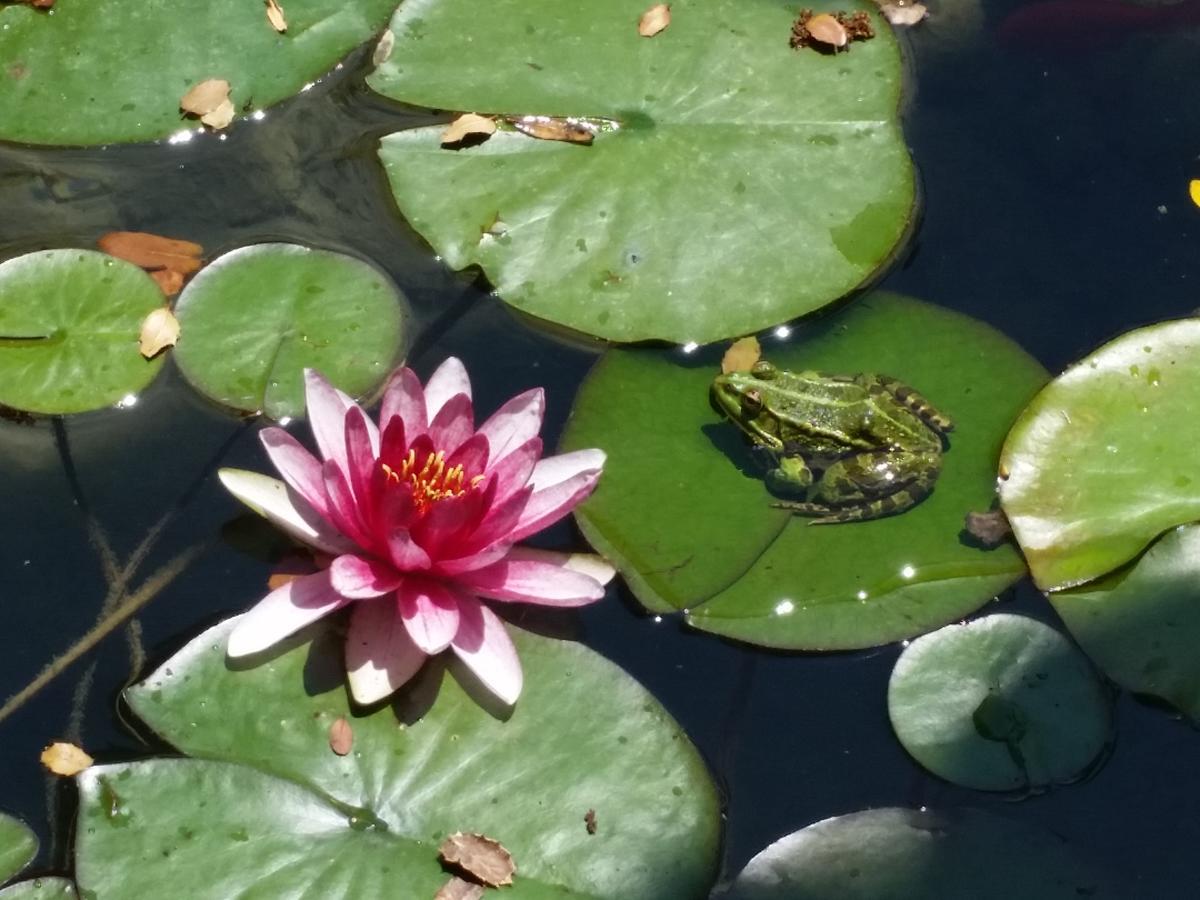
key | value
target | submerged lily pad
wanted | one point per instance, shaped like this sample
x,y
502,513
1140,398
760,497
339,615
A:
x,y
1000,703
69,327
257,317
268,797
734,182
1104,459
903,854
108,94
49,888
18,846
1141,626
683,512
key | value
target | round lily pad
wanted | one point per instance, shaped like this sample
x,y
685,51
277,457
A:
x,y
1103,460
257,317
266,794
903,854
734,182
108,94
683,512
69,329
40,889
18,846
1000,703
1141,625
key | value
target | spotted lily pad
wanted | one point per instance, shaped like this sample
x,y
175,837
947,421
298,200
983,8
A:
x,y
1141,625
265,794
683,511
999,703
69,324
733,183
257,317
1104,459
108,94
18,845
903,854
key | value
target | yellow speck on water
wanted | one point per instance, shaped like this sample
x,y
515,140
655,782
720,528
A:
x,y
1194,190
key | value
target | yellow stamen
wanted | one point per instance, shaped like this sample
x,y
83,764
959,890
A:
x,y
432,481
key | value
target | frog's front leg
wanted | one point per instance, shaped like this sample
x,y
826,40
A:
x,y
790,477
870,485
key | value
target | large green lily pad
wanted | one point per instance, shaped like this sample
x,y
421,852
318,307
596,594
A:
x,y
1001,703
257,317
69,325
99,92
267,796
747,182
1104,459
683,512
49,888
1141,625
903,854
18,845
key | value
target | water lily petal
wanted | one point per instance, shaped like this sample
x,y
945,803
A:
x,y
380,655
536,576
514,423
430,613
448,381
284,508
472,455
556,469
497,526
405,553
359,577
454,423
283,612
548,505
299,468
393,445
343,511
473,561
512,473
360,461
327,408
483,644
449,522
404,401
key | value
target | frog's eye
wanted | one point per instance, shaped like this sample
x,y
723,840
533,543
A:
x,y
752,401
762,369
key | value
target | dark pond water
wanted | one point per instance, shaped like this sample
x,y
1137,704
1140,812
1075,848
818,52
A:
x,y
1055,208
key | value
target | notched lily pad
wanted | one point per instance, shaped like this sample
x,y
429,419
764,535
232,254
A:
x,y
46,888
734,183
684,513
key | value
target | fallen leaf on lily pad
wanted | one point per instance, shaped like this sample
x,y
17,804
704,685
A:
x,y
160,330
169,281
152,251
479,856
741,355
275,16
62,758
341,736
205,97
549,128
903,12
459,889
654,20
468,125
220,117
1194,190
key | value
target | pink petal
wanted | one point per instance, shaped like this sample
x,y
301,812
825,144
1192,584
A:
x,y
360,460
404,400
556,469
484,645
548,505
512,473
449,522
515,423
284,508
534,576
299,468
392,445
359,577
430,613
406,554
380,655
473,561
283,612
343,511
327,408
454,423
448,381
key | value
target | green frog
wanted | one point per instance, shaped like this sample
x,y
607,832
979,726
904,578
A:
x,y
849,447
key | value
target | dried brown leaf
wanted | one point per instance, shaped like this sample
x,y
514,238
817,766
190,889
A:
x,y
151,251
275,16
160,330
468,125
741,355
220,117
458,889
341,736
549,128
479,856
65,759
383,50
169,281
589,821
828,30
654,20
205,97
904,13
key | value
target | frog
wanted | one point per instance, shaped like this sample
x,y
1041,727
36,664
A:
x,y
842,448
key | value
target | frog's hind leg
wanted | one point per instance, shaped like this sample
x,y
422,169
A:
x,y
851,497
910,398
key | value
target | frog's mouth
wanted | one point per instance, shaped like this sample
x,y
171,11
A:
x,y
732,404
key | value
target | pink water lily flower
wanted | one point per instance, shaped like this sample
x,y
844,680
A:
x,y
420,517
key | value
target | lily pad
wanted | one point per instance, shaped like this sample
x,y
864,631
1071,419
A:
x,y
1104,459
733,183
1001,703
18,846
69,328
49,888
903,854
108,94
257,317
1141,626
268,797
683,512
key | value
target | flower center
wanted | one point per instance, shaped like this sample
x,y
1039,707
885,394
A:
x,y
430,481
